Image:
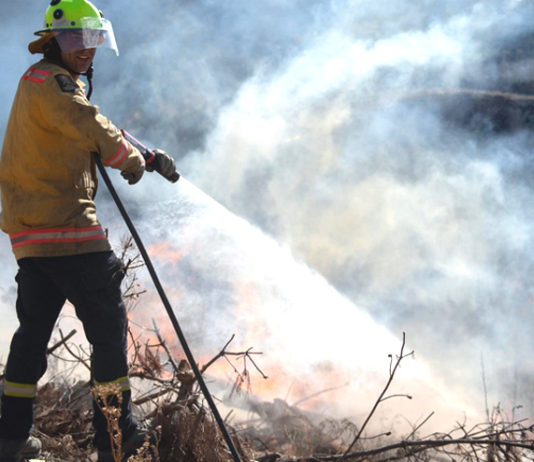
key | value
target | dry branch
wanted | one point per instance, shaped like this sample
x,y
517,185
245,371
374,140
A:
x,y
381,397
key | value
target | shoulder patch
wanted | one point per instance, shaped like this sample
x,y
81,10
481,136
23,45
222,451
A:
x,y
66,83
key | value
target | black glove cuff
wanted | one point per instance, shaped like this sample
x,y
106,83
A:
x,y
153,165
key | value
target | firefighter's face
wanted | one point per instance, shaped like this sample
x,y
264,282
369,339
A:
x,y
79,60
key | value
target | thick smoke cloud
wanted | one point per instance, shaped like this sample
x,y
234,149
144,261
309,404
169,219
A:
x,y
342,152
338,128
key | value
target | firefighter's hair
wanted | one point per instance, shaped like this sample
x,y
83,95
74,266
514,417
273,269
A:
x,y
52,51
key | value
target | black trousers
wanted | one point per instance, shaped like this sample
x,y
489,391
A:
x,y
91,282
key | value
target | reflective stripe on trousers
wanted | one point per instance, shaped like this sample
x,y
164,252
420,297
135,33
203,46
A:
x,y
121,384
20,390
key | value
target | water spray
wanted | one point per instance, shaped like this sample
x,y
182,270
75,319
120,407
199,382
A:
x,y
174,321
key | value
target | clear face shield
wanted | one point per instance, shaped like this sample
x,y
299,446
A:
x,y
94,33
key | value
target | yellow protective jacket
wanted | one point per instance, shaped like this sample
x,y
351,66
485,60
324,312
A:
x,y
47,173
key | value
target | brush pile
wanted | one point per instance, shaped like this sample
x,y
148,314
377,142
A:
x,y
166,398
172,405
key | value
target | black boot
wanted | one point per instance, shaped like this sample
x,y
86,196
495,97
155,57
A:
x,y
18,450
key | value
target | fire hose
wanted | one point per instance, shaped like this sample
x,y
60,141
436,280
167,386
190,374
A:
x,y
149,157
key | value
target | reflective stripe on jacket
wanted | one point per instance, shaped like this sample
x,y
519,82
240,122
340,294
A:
x,y
41,236
47,174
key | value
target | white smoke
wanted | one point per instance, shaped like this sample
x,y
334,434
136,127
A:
x,y
225,276
416,220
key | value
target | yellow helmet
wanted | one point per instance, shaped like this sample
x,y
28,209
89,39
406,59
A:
x,y
76,24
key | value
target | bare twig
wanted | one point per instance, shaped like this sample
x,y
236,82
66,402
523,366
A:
x,y
61,342
420,425
221,353
224,353
326,390
152,396
165,347
83,361
431,444
392,372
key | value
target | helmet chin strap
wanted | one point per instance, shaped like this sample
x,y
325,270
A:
x,y
89,75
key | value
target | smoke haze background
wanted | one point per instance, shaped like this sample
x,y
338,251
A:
x,y
305,119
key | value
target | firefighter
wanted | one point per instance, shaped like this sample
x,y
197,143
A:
x,y
48,184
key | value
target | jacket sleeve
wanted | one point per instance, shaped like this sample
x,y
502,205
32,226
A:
x,y
70,112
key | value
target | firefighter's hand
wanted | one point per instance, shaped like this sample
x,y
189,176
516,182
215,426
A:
x,y
163,164
133,175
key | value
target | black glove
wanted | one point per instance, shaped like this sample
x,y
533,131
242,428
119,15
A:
x,y
163,164
134,175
